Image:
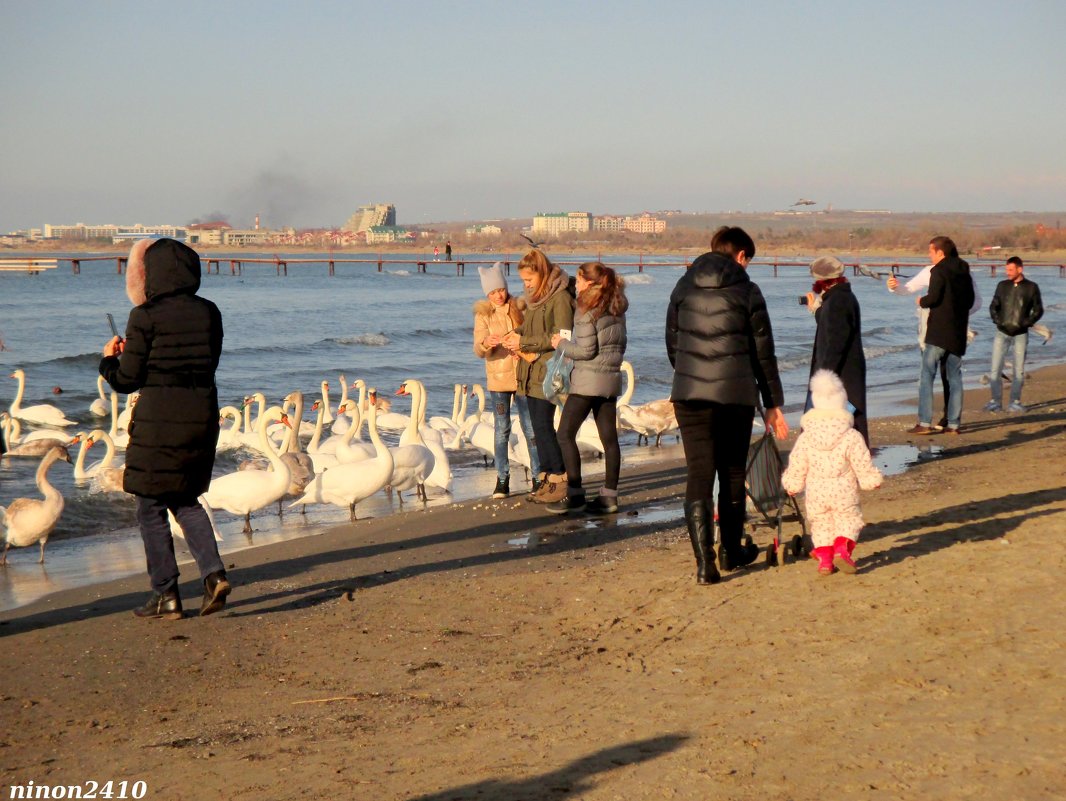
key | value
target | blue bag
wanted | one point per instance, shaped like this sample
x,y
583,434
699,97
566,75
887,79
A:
x,y
557,378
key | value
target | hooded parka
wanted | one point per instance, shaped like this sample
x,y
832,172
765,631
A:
x,y
173,345
544,318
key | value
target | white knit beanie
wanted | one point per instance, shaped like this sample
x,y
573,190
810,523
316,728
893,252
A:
x,y
492,278
826,267
827,391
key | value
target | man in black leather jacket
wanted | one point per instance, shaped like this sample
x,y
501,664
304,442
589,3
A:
x,y
1015,308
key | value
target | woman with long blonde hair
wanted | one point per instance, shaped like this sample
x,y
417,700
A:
x,y
549,309
597,348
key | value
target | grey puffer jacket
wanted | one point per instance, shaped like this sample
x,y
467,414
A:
x,y
597,349
718,337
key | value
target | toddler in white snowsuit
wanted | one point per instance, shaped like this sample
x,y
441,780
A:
x,y
832,460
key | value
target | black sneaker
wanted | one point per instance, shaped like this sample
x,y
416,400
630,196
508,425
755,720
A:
x,y
601,505
571,503
503,487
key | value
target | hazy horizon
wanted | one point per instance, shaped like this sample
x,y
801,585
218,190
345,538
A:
x,y
146,112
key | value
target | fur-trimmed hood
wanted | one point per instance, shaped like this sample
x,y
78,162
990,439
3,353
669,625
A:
x,y
161,267
486,308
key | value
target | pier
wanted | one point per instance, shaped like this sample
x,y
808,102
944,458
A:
x,y
213,264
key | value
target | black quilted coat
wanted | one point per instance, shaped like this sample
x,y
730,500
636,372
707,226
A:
x,y
173,344
718,337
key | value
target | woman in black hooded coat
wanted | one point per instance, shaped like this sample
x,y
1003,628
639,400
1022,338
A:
x,y
171,351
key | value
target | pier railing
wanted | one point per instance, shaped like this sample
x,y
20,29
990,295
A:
x,y
213,264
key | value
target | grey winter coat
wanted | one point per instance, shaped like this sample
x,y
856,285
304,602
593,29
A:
x,y
718,337
597,349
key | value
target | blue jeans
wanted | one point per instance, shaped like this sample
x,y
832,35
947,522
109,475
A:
x,y
501,407
1000,344
931,358
159,543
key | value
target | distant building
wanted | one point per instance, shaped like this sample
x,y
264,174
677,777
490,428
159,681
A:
x,y
116,233
250,236
553,224
383,234
645,224
208,233
608,223
366,217
484,230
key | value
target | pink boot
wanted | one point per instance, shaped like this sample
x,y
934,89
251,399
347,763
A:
x,y
842,548
824,555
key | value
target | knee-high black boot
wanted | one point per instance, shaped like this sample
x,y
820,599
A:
x,y
698,517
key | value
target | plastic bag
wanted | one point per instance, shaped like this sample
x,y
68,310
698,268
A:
x,y
557,378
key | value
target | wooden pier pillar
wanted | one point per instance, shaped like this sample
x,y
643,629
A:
x,y
775,266
75,266
640,265
332,270
120,263
460,268
507,267
420,266
379,264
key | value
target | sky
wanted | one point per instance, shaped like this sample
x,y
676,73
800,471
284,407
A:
x,y
160,112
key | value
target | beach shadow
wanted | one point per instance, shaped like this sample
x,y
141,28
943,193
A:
x,y
569,781
978,521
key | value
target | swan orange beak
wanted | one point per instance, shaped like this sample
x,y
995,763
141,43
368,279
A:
x,y
285,420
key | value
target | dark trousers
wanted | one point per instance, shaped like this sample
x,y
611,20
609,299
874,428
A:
x,y
542,415
605,413
716,437
159,542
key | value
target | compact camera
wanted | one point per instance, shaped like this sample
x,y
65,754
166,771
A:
x,y
803,300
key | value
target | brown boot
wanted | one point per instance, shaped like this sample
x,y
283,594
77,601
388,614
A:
x,y
556,489
540,484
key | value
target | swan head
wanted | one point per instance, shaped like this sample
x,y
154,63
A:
x,y
358,384
316,405
19,373
59,452
403,389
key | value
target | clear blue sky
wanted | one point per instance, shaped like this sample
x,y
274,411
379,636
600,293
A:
x,y
158,112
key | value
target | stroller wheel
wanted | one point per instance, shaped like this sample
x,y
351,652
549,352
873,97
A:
x,y
796,546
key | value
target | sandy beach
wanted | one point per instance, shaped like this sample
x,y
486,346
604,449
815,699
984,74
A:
x,y
490,650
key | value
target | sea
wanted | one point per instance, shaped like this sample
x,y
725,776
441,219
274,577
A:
x,y
292,331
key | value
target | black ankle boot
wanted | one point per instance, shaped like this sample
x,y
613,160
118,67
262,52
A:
x,y
698,518
166,605
216,589
743,555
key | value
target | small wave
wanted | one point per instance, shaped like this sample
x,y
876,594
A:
x,y
639,279
1055,307
370,340
888,350
398,272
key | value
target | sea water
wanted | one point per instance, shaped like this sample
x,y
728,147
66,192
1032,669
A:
x,y
293,331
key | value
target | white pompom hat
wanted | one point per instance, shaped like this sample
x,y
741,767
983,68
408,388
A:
x,y
827,391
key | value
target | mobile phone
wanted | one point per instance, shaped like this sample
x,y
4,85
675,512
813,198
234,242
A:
x,y
565,333
111,322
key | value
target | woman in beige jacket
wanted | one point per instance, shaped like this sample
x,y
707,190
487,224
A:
x,y
494,318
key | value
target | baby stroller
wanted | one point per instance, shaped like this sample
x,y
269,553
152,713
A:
x,y
769,501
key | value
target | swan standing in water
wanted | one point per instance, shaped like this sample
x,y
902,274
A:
x,y
34,444
42,414
81,472
29,520
100,406
247,491
413,461
441,474
348,484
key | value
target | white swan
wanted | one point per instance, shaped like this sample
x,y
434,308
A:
x,y
229,436
247,491
120,437
389,421
81,472
30,520
348,484
348,450
413,461
654,418
43,413
127,412
341,423
449,426
441,474
250,435
301,466
177,531
100,406
327,413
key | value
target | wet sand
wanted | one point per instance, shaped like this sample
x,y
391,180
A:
x,y
488,650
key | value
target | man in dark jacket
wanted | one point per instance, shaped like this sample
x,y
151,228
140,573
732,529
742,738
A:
x,y
721,346
838,336
948,300
171,351
1016,307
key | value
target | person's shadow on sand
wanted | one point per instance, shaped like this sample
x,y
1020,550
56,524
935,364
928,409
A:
x,y
977,521
568,781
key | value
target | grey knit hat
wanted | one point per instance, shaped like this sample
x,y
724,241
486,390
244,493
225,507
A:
x,y
492,278
825,267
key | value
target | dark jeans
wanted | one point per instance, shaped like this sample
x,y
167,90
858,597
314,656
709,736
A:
x,y
716,437
605,413
159,542
542,414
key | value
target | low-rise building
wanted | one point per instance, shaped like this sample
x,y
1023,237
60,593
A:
x,y
555,223
609,223
383,234
645,224
484,230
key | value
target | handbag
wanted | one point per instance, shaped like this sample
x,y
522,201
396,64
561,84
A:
x,y
557,378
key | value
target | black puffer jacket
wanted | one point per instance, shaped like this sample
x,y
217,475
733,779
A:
x,y
1016,307
838,347
173,344
718,337
949,300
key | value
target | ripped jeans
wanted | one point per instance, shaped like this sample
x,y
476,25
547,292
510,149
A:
x,y
501,407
